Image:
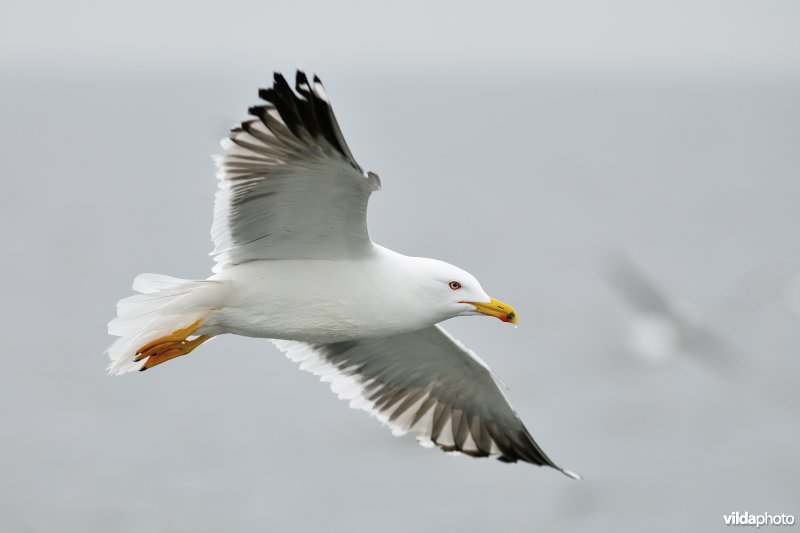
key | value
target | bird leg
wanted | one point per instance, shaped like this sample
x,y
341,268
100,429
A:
x,y
170,346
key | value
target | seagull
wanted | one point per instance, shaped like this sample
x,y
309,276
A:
x,y
294,263
660,332
658,329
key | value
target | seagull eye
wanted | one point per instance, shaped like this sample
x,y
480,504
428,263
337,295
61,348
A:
x,y
454,285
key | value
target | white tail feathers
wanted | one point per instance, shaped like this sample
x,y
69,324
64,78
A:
x,y
165,304
148,283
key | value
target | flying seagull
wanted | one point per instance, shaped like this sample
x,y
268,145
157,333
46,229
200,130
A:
x,y
659,330
295,264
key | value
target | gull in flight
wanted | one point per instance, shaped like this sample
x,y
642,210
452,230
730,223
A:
x,y
295,264
659,329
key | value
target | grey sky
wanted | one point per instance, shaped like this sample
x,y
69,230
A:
x,y
620,35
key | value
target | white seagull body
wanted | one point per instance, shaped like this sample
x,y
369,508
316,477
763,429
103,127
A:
x,y
295,264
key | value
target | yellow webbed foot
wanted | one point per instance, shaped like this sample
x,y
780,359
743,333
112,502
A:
x,y
170,346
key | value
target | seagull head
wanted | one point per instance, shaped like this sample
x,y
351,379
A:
x,y
455,292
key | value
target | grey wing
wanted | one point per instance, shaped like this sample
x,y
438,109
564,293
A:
x,y
289,187
637,290
424,382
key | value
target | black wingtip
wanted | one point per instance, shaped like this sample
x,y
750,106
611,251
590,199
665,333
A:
x,y
267,93
305,111
301,84
281,86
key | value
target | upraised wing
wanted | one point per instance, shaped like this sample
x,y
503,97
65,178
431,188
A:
x,y
289,187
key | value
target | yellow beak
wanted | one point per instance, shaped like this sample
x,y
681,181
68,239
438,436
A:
x,y
496,309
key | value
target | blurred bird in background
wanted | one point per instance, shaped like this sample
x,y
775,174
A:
x,y
660,328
